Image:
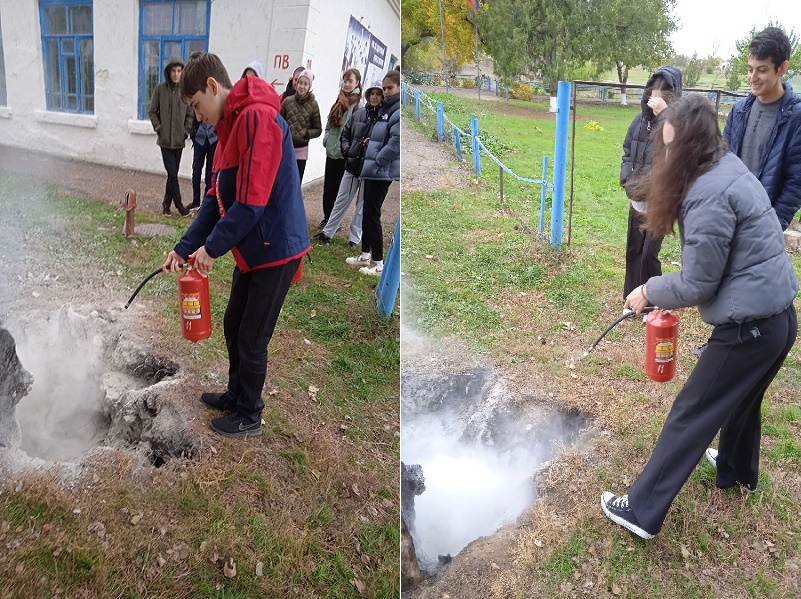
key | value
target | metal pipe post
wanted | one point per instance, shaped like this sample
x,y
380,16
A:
x,y
440,121
543,192
457,140
501,180
417,103
475,146
403,94
560,162
389,283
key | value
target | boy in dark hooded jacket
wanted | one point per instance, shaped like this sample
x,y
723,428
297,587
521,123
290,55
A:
x,y
172,121
642,249
258,215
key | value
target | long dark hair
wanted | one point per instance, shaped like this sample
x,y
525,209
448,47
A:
x,y
696,147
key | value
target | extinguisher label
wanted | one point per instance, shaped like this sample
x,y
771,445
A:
x,y
664,350
190,306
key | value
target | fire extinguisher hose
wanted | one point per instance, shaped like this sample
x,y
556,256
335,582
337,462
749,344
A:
x,y
626,314
142,284
158,271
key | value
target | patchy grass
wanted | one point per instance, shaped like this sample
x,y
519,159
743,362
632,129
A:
x,y
313,502
478,271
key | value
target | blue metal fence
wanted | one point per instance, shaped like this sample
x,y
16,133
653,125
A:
x,y
426,106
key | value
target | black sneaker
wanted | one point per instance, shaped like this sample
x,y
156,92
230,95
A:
x,y
698,350
618,511
166,214
322,237
352,244
219,401
323,223
236,425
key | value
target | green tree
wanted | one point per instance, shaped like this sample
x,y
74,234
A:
x,y
420,22
738,63
632,33
692,72
541,39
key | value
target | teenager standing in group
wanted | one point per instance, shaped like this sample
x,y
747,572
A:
x,y
172,121
642,248
347,102
353,141
381,167
764,129
303,116
736,271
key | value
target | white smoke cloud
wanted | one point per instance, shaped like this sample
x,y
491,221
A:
x,y
478,443
61,418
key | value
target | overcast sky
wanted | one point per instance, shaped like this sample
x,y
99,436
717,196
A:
x,y
703,24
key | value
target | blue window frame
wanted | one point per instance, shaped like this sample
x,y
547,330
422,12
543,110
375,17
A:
x,y
168,28
3,93
68,53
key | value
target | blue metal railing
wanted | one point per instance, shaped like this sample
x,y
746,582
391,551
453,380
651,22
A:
x,y
424,101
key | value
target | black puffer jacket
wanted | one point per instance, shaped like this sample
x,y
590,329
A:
x,y
355,131
637,147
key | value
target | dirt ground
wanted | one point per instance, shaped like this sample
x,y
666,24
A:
x,y
428,166
85,179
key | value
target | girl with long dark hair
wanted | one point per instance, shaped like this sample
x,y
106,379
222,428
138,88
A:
x,y
736,271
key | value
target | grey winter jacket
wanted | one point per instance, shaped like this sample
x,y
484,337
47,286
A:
x,y
637,146
382,157
172,120
734,265
780,173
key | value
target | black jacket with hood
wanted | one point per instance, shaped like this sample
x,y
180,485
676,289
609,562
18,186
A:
x,y
355,131
637,147
172,119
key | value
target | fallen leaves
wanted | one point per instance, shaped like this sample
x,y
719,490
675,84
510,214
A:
x,y
764,545
361,587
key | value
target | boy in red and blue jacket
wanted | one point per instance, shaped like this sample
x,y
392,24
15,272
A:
x,y
255,210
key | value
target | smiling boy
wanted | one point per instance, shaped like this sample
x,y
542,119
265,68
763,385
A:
x,y
255,211
764,129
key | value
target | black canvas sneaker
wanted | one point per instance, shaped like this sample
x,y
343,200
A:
x,y
236,425
618,511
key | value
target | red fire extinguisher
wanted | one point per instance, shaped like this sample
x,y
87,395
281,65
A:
x,y
661,340
193,304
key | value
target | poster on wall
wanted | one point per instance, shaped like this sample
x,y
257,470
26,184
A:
x,y
365,52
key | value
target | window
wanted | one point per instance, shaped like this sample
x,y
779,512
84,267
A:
x,y
3,93
68,52
168,28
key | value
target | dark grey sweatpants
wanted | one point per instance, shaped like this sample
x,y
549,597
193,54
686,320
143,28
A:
x,y
724,392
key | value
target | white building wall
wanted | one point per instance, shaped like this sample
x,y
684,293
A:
x,y
281,34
